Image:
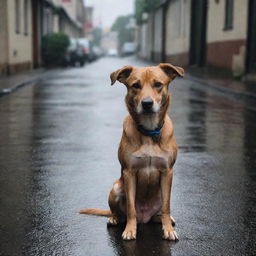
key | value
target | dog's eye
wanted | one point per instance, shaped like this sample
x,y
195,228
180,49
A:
x,y
136,86
157,84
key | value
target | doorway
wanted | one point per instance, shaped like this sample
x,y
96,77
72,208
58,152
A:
x,y
197,53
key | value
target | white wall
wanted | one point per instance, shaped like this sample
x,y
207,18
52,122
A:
x,y
20,45
178,27
216,18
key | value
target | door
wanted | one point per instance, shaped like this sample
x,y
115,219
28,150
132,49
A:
x,y
198,32
251,38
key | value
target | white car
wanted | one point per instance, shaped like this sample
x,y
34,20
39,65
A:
x,y
112,52
129,48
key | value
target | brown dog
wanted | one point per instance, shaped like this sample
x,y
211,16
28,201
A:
x,y
147,151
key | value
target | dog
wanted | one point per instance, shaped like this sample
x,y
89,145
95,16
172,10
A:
x,y
147,152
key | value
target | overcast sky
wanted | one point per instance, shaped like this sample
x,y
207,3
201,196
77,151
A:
x,y
108,10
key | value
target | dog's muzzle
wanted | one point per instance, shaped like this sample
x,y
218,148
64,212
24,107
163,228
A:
x,y
147,105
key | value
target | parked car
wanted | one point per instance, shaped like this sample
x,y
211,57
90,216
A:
x,y
87,49
112,52
128,48
75,53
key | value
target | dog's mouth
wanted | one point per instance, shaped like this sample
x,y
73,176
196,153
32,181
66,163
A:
x,y
148,112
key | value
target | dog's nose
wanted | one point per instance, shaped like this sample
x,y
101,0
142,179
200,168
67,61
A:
x,y
147,103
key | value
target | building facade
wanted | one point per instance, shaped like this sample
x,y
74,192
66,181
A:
x,y
177,32
24,22
3,38
15,36
88,22
71,17
227,23
218,33
109,41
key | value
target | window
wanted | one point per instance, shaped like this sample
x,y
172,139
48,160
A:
x,y
25,17
229,9
17,16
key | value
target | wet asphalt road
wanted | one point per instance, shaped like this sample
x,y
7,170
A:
x,y
58,154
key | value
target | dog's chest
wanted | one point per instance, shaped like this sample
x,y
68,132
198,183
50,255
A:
x,y
149,157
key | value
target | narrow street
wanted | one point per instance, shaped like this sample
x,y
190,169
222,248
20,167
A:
x,y
58,154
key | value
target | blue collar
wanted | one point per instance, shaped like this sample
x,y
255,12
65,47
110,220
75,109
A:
x,y
150,133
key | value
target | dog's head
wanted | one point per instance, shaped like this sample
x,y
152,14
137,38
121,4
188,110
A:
x,y
147,88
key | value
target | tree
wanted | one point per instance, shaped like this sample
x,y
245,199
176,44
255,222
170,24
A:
x,y
145,6
54,48
125,32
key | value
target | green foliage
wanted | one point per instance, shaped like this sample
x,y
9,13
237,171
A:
x,y
140,7
121,26
121,23
97,35
54,48
147,6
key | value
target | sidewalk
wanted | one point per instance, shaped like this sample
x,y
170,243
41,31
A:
x,y
11,83
223,82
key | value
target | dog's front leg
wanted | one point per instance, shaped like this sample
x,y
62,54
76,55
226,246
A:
x,y
130,190
166,184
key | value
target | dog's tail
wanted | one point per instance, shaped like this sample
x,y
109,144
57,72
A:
x,y
97,212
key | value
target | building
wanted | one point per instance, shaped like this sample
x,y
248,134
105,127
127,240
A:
x,y
15,36
71,16
145,37
24,22
177,36
4,56
88,24
109,41
227,35
217,33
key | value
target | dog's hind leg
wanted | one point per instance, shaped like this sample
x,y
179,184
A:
x,y
157,219
115,197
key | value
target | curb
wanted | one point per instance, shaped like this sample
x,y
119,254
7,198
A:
x,y
15,87
221,88
7,91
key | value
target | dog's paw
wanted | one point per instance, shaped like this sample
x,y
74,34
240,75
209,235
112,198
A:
x,y
112,221
170,234
129,234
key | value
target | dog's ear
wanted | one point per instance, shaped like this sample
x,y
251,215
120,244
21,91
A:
x,y
121,74
171,71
